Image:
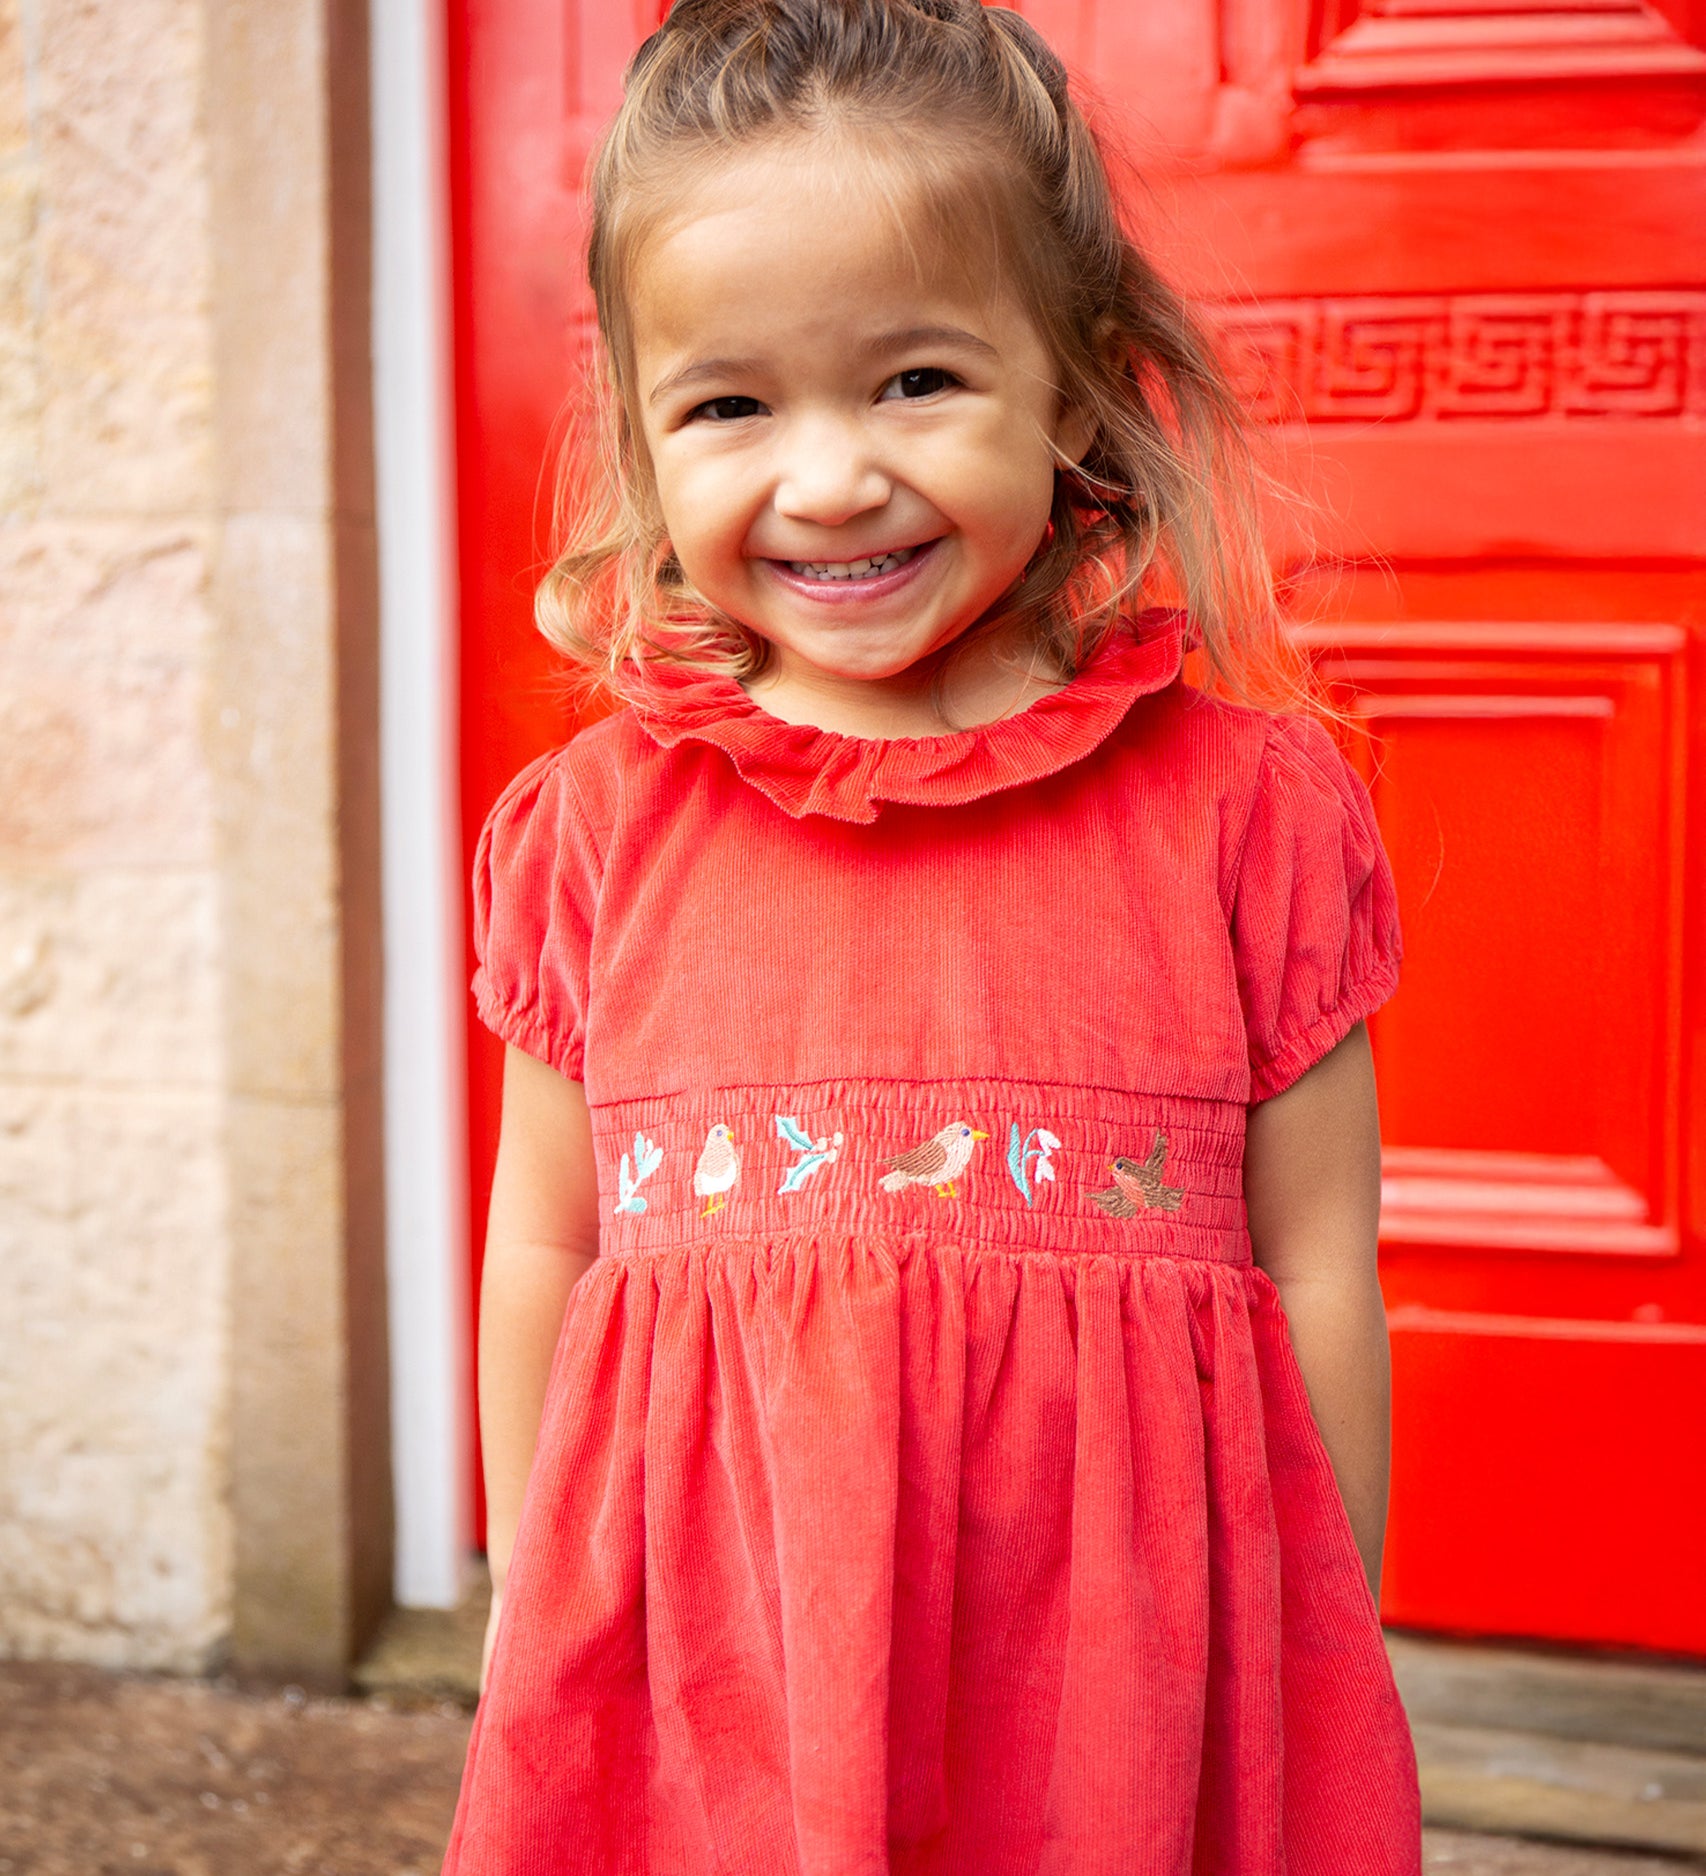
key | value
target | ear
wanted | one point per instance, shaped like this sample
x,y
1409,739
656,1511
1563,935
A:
x,y
1074,432
1075,428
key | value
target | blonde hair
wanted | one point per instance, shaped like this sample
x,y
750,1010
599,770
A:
x,y
1163,505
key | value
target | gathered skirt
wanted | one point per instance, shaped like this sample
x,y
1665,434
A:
x,y
846,1555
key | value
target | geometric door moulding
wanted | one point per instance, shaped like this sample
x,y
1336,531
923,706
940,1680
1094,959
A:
x,y
1528,777
1390,43
1426,357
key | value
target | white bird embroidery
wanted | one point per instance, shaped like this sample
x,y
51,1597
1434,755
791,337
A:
x,y
938,1162
718,1169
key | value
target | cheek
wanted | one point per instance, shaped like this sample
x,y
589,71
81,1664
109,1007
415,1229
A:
x,y
698,501
1007,472
1012,500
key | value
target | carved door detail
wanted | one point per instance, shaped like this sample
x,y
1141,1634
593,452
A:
x,y
1472,313
1451,251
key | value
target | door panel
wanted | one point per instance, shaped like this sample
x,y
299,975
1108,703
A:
x,y
1529,785
1451,252
1527,1507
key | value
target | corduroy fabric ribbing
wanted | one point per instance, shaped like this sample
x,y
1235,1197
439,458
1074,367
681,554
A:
x,y
926,1483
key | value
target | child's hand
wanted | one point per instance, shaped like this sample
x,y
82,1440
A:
x,y
491,1636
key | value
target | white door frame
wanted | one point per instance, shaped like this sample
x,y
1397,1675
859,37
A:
x,y
425,1102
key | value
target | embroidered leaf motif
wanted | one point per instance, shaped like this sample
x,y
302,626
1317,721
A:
x,y
795,1135
1016,1162
814,1154
1028,1158
801,1170
647,1159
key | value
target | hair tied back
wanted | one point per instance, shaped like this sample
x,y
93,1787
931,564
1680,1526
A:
x,y
1033,48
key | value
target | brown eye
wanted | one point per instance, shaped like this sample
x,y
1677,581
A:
x,y
922,381
729,409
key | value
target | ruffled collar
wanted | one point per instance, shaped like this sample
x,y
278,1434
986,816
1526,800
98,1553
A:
x,y
805,770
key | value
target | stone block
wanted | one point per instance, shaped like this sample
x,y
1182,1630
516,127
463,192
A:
x,y
14,82
36,1187
124,257
289,1468
103,765
274,740
103,636
111,977
20,363
94,590
270,171
114,1534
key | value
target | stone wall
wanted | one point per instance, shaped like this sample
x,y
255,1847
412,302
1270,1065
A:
x,y
192,1441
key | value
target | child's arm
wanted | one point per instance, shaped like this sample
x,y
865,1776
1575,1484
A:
x,y
1312,1188
541,1237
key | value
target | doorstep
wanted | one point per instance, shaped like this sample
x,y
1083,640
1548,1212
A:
x,y
1568,1746
422,1656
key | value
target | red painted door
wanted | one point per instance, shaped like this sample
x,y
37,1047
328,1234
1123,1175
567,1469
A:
x,y
1452,250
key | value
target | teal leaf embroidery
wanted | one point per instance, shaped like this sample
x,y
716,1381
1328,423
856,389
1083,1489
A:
x,y
795,1135
1016,1162
813,1154
1028,1158
647,1159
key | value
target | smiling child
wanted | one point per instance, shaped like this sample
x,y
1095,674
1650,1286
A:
x,y
932,1365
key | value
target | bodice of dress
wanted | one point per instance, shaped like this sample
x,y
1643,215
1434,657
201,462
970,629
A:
x,y
1016,984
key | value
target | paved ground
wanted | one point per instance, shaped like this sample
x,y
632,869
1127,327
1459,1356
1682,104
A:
x,y
105,1775
118,1776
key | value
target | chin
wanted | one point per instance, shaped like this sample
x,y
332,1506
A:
x,y
868,668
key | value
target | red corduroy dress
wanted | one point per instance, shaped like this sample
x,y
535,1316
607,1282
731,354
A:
x,y
926,1483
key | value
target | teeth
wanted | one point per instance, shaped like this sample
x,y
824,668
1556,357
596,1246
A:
x,y
851,569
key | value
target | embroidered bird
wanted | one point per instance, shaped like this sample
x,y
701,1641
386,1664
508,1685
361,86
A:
x,y
938,1162
1137,1185
718,1169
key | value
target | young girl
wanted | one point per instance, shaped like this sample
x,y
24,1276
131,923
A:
x,y
936,1044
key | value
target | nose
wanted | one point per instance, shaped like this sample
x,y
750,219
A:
x,y
827,473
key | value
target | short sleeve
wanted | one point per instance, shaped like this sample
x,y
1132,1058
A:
x,y
1314,914
536,875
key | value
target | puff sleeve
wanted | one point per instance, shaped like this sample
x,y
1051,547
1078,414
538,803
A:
x,y
1314,915
536,874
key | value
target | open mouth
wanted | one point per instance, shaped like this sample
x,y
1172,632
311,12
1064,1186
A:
x,y
829,571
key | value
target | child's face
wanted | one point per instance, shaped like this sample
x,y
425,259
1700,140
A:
x,y
815,399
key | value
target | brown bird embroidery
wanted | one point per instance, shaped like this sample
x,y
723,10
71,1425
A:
x,y
938,1162
1138,1186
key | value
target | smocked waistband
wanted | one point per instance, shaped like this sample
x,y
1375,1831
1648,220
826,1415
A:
x,y
1009,1164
